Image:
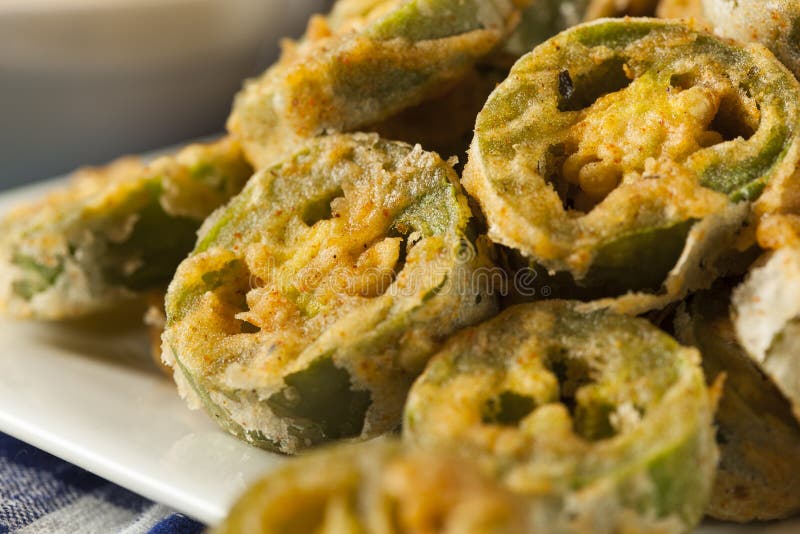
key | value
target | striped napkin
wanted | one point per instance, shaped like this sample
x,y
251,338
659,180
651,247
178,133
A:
x,y
42,494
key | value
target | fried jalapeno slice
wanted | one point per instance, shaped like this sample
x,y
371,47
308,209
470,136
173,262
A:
x,y
364,63
622,152
759,471
774,23
315,297
766,307
377,487
601,419
112,233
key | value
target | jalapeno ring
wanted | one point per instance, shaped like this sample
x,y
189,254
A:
x,y
601,419
364,63
112,233
314,298
377,487
623,152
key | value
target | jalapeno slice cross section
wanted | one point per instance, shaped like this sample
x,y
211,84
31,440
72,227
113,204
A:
x,y
603,420
363,63
759,438
774,24
766,307
112,233
377,487
619,152
316,296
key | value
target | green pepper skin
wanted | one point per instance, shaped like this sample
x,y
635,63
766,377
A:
x,y
114,233
565,180
603,421
364,63
316,296
377,487
759,437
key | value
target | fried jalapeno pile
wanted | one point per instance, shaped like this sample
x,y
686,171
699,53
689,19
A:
x,y
365,62
112,233
378,487
602,420
346,287
624,153
316,296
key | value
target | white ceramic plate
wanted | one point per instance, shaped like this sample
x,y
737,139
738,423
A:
x,y
90,394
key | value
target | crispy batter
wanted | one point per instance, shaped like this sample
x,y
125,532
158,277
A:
x,y
690,11
619,8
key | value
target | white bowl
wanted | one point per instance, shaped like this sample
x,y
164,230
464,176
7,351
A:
x,y
82,81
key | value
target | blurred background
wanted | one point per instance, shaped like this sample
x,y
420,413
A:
x,y
85,81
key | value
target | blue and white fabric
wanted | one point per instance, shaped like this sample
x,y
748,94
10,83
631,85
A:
x,y
41,494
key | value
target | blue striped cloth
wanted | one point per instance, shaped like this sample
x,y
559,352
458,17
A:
x,y
42,494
